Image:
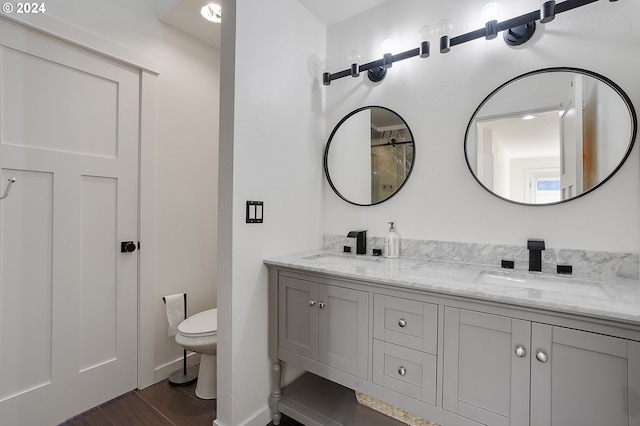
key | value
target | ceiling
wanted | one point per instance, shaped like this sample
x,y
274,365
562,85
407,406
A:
x,y
536,138
184,15
331,11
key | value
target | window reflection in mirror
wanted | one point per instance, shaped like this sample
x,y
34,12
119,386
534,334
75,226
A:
x,y
550,136
369,156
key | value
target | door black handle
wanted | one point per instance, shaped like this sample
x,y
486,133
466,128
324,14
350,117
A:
x,y
128,247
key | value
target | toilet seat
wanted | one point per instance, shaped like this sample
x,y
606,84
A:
x,y
199,333
201,324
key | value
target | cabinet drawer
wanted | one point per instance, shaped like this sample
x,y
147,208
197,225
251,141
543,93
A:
x,y
406,323
404,370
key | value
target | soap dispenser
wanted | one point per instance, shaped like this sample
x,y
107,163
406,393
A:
x,y
392,243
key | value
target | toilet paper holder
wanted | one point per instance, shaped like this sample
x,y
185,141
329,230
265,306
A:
x,y
183,377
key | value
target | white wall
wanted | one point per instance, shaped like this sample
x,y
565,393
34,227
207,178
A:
x,y
350,158
437,97
270,150
611,128
186,152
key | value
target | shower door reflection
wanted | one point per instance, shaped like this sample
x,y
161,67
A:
x,y
391,160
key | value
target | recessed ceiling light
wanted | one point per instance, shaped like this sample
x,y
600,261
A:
x,y
212,13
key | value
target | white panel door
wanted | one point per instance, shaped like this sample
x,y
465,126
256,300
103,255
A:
x,y
68,297
571,178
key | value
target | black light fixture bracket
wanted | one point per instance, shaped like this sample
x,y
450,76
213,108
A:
x,y
518,30
519,35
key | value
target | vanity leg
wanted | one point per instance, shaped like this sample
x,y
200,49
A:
x,y
276,391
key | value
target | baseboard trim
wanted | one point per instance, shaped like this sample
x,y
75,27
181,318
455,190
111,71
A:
x,y
164,371
261,418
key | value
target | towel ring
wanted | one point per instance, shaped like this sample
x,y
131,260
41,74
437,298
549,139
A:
x,y
6,191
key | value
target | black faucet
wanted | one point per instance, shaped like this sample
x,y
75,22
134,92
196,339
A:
x,y
535,248
361,241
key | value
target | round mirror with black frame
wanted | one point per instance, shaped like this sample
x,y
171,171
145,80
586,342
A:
x,y
550,136
369,156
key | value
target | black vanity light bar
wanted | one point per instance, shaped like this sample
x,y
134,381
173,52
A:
x,y
546,13
383,63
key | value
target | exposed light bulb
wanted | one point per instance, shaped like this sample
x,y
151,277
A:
x,y
425,33
326,65
444,27
491,11
388,46
354,57
212,12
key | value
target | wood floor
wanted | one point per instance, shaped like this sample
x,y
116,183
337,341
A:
x,y
157,405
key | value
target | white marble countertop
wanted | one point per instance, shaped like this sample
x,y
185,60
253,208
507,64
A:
x,y
614,299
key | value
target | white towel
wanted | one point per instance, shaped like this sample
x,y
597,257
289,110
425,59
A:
x,y
175,311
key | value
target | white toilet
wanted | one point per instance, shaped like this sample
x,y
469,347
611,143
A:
x,y
199,333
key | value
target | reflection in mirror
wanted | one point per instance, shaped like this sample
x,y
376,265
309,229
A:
x,y
369,156
550,135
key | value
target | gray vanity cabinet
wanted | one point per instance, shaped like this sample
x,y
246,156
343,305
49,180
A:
x,y
324,323
504,371
582,378
486,374
447,358
298,321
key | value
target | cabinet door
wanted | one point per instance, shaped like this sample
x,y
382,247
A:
x,y
298,317
344,329
485,378
583,378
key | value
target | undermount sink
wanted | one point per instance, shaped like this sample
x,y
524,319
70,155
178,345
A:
x,y
567,285
342,259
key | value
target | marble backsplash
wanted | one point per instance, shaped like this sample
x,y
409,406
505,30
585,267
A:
x,y
594,263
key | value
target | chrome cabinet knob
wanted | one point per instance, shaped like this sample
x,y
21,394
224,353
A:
x,y
402,323
312,302
321,305
541,356
402,371
521,351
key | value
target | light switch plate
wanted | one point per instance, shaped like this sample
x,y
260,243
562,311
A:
x,y
255,211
